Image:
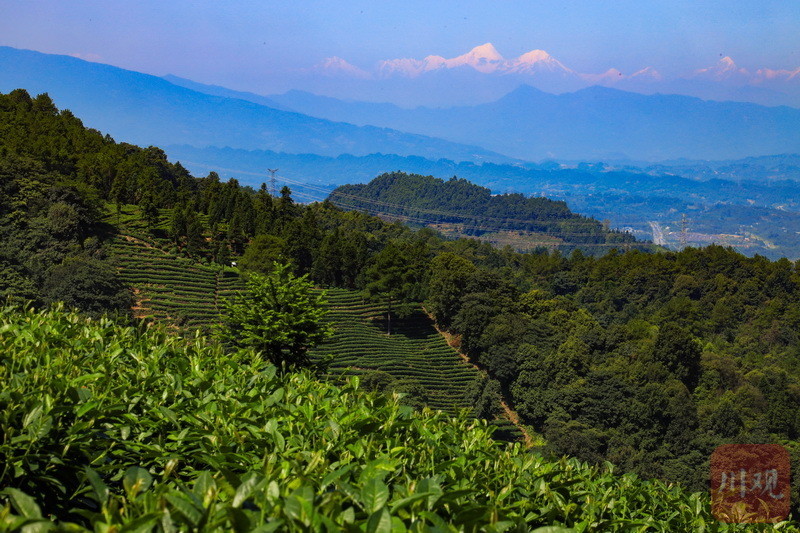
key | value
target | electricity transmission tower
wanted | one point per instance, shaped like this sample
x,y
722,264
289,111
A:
x,y
273,184
684,230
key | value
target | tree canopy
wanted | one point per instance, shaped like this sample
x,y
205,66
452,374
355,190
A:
x,y
280,315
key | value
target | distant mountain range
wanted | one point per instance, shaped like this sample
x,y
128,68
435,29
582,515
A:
x,y
591,124
438,81
594,123
146,110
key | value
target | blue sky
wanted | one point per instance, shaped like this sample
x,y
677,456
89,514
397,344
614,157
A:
x,y
247,44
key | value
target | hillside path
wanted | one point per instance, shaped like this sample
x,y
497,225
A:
x,y
455,343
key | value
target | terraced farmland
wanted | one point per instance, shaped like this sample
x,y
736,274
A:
x,y
172,288
414,351
190,294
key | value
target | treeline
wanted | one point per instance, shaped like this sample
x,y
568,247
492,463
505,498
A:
x,y
58,181
428,200
50,208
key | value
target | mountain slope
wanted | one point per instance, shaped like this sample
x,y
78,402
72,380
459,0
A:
x,y
461,208
216,90
592,123
148,110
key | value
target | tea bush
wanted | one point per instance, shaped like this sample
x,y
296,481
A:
x,y
108,427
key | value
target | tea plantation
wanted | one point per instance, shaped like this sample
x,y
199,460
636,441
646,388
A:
x,y
414,351
115,428
170,287
181,291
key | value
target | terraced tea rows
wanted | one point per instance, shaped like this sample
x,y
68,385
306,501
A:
x,y
414,351
190,294
172,288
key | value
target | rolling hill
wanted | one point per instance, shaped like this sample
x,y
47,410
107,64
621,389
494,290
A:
x,y
459,208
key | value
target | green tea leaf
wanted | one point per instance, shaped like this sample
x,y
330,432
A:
x,y
141,524
24,504
100,489
244,491
374,495
136,480
184,507
380,522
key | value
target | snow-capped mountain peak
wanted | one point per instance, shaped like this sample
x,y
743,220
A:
x,y
767,74
535,56
546,72
409,67
336,66
485,51
647,73
534,62
484,58
724,69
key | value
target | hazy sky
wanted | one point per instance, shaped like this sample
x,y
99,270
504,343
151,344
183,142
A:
x,y
247,44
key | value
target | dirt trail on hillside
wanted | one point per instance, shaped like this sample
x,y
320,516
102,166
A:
x,y
454,341
138,308
137,240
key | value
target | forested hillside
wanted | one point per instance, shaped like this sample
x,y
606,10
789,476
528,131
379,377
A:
x,y
647,360
65,189
461,208
55,177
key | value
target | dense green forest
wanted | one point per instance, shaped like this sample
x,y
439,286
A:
x,y
646,360
472,210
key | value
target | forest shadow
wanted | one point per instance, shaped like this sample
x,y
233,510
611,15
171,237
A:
x,y
415,326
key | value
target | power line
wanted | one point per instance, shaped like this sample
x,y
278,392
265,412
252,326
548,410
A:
x,y
684,230
451,214
429,221
487,229
327,192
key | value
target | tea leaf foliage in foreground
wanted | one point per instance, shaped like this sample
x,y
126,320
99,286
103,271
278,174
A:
x,y
110,427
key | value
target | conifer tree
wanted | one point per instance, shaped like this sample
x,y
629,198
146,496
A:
x,y
279,315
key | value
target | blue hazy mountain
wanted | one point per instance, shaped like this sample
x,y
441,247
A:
x,y
590,124
146,110
217,90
